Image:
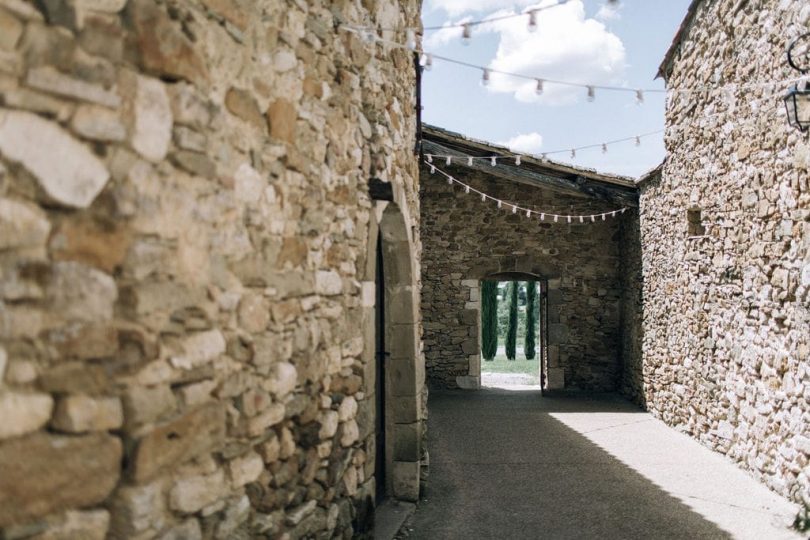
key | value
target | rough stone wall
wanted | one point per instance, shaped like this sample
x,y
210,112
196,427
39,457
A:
x,y
726,322
632,380
183,232
465,239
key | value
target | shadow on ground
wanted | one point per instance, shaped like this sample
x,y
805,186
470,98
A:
x,y
501,466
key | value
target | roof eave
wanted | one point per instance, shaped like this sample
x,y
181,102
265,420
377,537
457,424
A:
x,y
683,29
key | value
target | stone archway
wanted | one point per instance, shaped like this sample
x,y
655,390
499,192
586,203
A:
x,y
404,368
513,269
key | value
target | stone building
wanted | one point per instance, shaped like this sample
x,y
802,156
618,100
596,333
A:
x,y
580,265
188,257
725,232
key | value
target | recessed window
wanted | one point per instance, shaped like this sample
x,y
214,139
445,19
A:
x,y
694,220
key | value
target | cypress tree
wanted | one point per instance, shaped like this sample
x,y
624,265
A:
x,y
531,319
489,319
511,332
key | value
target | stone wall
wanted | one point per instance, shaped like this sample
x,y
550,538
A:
x,y
632,376
184,235
726,322
466,240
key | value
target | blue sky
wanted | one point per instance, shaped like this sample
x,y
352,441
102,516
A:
x,y
581,41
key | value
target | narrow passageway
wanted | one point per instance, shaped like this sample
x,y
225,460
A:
x,y
513,465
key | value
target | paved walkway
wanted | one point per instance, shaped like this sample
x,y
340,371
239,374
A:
x,y
512,465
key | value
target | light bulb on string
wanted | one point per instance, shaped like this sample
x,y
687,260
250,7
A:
x,y
493,161
533,20
448,161
591,94
593,219
483,197
604,217
556,218
573,153
432,169
469,161
429,158
542,217
466,33
485,77
539,88
604,148
514,209
466,189
500,203
639,97
410,39
528,213
638,140
450,180
426,61
582,219
569,219
517,161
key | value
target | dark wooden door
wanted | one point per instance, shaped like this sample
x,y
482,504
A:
x,y
381,354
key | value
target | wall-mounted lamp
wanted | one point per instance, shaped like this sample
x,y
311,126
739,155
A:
x,y
797,99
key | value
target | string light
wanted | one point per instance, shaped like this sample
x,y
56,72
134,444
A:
x,y
533,20
485,77
427,59
517,161
466,34
636,139
539,88
410,39
429,158
573,153
639,96
591,94
448,161
493,161
432,169
528,211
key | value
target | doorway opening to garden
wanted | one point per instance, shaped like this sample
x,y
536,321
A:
x,y
513,333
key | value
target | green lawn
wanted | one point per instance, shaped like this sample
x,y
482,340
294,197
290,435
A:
x,y
519,365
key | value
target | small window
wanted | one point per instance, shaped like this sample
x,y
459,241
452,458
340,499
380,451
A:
x,y
694,220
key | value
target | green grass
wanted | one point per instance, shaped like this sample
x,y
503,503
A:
x,y
519,365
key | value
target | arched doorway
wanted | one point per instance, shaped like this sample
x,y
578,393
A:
x,y
395,372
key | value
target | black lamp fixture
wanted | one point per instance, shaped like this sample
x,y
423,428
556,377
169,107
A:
x,y
797,99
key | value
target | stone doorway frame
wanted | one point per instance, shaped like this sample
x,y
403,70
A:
x,y
405,371
553,375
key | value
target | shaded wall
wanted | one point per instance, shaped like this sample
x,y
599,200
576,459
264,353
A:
x,y
727,286
184,223
465,240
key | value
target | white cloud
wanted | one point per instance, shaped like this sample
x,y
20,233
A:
x,y
566,46
530,143
608,12
457,7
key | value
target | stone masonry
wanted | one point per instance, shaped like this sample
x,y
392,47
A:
x,y
184,235
725,234
466,240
